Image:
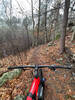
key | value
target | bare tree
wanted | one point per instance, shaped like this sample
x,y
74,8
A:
x,y
5,6
26,23
46,39
38,22
56,16
10,11
32,21
65,20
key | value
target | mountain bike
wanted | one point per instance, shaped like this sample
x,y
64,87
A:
x,y
36,91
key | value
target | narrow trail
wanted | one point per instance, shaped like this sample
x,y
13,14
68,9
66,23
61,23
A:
x,y
38,56
35,56
57,83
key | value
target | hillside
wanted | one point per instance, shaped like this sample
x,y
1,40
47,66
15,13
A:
x,y
59,85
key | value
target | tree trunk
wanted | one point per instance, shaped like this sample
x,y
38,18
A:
x,y
10,11
65,20
46,39
28,37
33,22
38,23
56,20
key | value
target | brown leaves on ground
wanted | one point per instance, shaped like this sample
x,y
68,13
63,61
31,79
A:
x,y
58,84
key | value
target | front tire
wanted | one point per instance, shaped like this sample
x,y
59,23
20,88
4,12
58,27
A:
x,y
41,92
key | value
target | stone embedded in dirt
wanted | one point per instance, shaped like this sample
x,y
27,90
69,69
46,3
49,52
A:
x,y
19,97
73,74
51,44
9,75
47,49
59,60
73,96
70,97
73,35
73,56
65,76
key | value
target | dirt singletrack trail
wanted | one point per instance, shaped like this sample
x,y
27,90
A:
x,y
57,83
35,56
38,56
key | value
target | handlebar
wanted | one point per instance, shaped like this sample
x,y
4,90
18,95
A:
x,y
53,67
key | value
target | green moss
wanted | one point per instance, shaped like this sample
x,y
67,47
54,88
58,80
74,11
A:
x,y
9,76
57,36
27,90
69,97
19,97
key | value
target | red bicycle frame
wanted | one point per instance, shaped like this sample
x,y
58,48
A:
x,y
34,88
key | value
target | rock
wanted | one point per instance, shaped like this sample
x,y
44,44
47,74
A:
x,y
19,97
50,44
73,28
73,74
73,96
73,36
59,60
71,79
9,75
64,75
47,49
73,57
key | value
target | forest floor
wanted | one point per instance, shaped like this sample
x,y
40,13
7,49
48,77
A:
x,y
59,84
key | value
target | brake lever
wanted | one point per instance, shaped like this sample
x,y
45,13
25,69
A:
x,y
54,67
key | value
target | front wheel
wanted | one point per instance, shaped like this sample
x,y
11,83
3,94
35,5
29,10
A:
x,y
41,92
41,86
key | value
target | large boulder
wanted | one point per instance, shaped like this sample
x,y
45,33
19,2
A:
x,y
9,75
19,97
